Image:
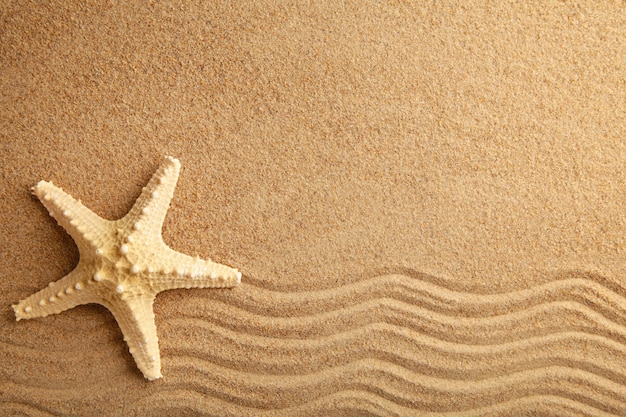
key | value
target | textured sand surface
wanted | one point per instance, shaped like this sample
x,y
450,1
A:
x,y
426,202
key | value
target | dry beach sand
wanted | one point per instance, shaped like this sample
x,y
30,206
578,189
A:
x,y
426,199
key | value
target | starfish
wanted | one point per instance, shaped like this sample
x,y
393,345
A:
x,y
124,264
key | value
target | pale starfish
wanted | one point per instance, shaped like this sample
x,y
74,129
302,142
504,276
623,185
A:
x,y
124,264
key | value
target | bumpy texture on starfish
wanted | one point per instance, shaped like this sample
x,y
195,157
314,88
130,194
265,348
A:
x,y
124,264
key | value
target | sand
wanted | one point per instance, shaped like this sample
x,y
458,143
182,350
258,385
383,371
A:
x,y
426,202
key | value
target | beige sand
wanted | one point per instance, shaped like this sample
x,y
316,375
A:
x,y
426,202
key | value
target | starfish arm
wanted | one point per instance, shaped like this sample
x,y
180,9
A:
x,y
177,270
148,212
68,292
135,317
86,228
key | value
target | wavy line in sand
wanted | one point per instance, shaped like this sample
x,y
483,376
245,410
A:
x,y
561,323
343,403
16,408
426,350
399,345
30,360
396,384
534,321
39,352
45,399
411,290
413,351
378,333
454,284
359,403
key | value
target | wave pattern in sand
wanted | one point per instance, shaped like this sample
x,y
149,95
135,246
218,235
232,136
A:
x,y
392,345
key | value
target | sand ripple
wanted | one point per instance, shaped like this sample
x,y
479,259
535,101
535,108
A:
x,y
391,345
